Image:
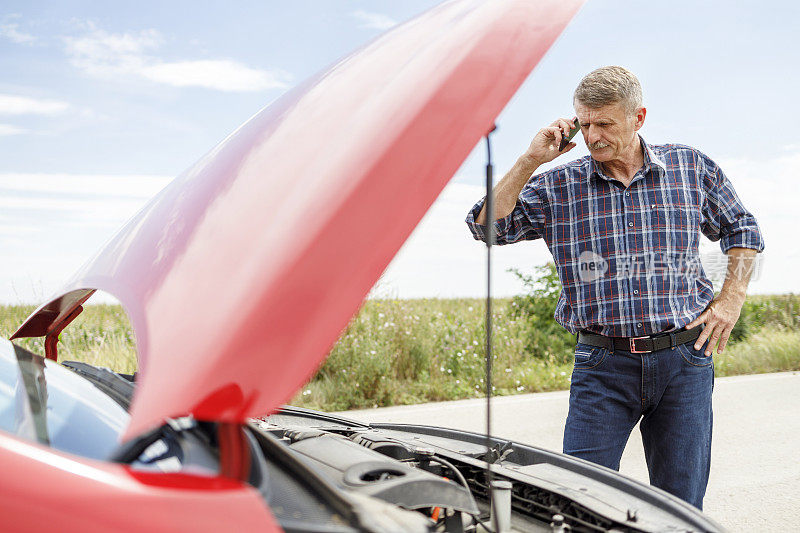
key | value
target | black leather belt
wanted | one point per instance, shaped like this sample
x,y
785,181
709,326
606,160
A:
x,y
650,343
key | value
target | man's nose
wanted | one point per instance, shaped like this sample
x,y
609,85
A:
x,y
592,135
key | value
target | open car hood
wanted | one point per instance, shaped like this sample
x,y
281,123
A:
x,y
240,275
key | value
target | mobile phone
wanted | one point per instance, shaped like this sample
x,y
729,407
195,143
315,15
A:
x,y
572,132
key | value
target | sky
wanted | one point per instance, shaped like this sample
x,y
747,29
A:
x,y
102,103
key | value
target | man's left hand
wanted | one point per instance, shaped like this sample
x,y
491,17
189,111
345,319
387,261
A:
x,y
719,317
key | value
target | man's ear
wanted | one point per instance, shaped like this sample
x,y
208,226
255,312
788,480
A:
x,y
639,116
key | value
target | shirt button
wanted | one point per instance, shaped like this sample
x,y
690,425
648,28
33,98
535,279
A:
x,y
639,325
635,291
627,193
630,224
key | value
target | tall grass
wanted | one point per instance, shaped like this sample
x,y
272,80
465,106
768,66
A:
x,y
771,349
101,335
410,351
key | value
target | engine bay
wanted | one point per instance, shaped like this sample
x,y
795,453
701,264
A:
x,y
442,475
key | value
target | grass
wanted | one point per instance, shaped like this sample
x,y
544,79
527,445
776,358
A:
x,y
772,349
101,335
410,351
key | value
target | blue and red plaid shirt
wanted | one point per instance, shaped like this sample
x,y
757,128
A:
x,y
628,258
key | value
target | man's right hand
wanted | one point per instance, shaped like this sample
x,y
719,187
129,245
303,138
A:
x,y
544,146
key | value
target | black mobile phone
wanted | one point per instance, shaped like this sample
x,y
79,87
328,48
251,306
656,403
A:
x,y
572,132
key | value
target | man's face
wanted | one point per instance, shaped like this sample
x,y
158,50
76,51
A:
x,y
609,131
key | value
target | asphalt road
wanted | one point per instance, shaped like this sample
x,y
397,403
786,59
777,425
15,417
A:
x,y
755,469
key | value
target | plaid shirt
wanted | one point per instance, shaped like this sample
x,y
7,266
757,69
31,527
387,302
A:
x,y
628,259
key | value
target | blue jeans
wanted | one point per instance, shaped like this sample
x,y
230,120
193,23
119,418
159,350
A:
x,y
670,390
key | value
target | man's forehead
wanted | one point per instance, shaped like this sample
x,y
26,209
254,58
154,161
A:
x,y
613,111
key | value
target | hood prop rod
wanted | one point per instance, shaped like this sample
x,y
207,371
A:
x,y
499,492
489,242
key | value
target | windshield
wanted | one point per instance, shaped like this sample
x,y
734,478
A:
x,y
44,402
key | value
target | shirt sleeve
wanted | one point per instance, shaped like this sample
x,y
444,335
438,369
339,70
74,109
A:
x,y
525,222
724,217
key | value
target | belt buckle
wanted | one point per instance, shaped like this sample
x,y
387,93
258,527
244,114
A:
x,y
633,349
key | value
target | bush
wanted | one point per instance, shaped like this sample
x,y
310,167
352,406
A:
x,y
760,310
545,337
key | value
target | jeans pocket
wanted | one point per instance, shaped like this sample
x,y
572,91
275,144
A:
x,y
587,356
695,357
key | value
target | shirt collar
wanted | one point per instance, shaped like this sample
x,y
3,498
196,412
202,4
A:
x,y
651,159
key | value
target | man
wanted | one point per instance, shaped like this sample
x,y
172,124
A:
x,y
623,226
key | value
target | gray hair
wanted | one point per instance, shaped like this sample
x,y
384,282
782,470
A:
x,y
610,85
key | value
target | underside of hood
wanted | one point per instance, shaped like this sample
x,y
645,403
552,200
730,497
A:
x,y
241,274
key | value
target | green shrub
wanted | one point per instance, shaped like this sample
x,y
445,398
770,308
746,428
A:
x,y
761,310
774,348
544,336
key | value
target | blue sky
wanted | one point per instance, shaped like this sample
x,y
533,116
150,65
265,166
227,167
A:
x,y
102,102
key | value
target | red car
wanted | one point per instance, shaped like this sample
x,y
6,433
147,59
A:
x,y
238,278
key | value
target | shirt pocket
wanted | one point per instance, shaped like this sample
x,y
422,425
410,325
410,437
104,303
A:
x,y
588,357
672,217
675,228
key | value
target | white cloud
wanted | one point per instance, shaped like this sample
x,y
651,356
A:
x,y
766,186
133,186
441,258
52,223
223,75
93,208
104,54
101,53
21,105
793,147
377,21
9,129
10,32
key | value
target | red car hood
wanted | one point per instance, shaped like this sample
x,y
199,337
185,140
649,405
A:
x,y
241,274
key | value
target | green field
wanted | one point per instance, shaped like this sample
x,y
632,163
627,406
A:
x,y
409,351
